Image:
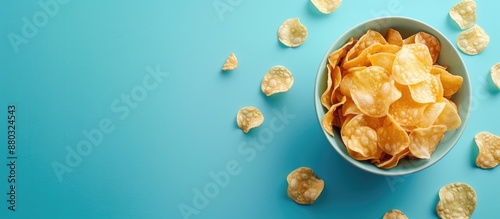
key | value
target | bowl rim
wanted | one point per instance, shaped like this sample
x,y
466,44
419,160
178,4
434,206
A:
x,y
320,111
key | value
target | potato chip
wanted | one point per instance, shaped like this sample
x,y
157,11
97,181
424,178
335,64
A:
x,y
409,40
304,187
426,91
231,63
430,114
350,107
362,58
292,33
327,121
489,150
431,42
449,116
369,38
394,37
473,41
451,83
326,6
382,59
495,74
337,78
394,214
337,55
405,111
373,91
392,138
325,97
278,79
412,64
248,118
456,200
363,141
389,161
346,84
423,141
464,14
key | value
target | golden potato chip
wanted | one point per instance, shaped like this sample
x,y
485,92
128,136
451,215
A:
x,y
373,91
382,59
369,38
495,74
464,14
231,63
327,121
449,116
337,78
451,83
456,200
326,6
426,91
357,121
394,214
392,138
388,161
346,84
337,55
430,114
412,64
325,97
304,187
350,107
473,41
363,141
394,37
278,79
362,58
405,111
489,150
409,40
423,141
431,42
248,118
292,33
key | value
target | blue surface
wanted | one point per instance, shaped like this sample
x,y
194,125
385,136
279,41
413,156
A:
x,y
76,73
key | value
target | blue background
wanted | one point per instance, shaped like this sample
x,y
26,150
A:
x,y
90,54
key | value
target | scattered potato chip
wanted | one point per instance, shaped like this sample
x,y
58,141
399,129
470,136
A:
x,y
248,118
431,42
304,187
412,64
326,6
394,214
473,41
327,121
489,150
392,138
464,14
278,79
231,63
394,37
456,200
423,141
495,74
292,33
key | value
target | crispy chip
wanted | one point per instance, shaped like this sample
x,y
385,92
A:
x,y
326,6
350,107
430,114
373,91
346,84
495,74
248,118
292,33
278,79
304,187
426,91
489,150
405,110
231,63
389,161
382,59
451,83
337,78
412,64
325,97
423,141
394,37
369,38
357,139
327,121
337,55
392,138
409,40
464,13
456,200
362,58
394,214
449,116
473,41
431,42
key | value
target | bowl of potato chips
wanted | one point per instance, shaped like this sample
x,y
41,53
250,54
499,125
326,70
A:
x,y
392,95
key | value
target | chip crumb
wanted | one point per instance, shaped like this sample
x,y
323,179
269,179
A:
x,y
473,41
489,150
292,33
326,6
394,214
231,63
304,187
248,118
456,200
